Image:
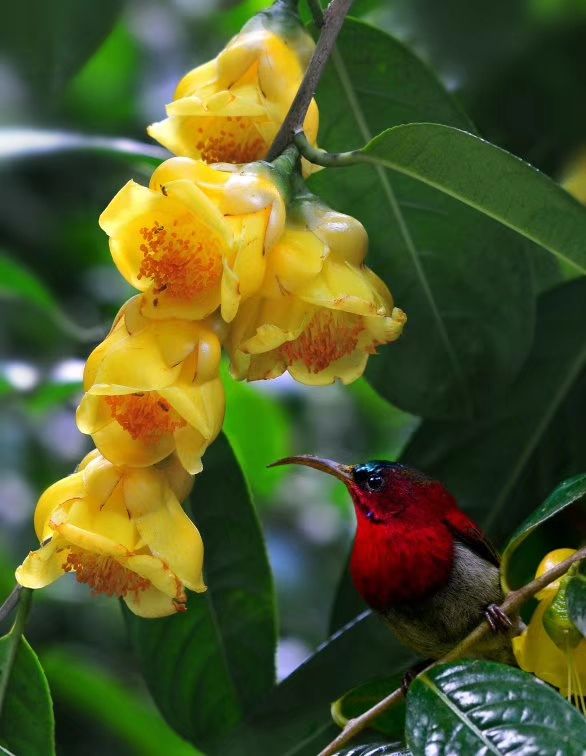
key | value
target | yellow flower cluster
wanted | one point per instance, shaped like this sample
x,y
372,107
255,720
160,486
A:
x,y
551,647
223,248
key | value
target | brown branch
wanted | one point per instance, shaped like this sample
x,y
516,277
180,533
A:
x,y
332,23
510,605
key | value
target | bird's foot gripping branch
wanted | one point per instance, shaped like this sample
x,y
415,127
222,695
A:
x,y
239,253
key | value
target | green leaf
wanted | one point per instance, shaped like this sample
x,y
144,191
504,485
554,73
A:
x,y
567,493
27,727
362,698
444,262
17,144
50,42
296,715
16,282
576,598
483,707
502,465
208,667
490,180
89,690
246,408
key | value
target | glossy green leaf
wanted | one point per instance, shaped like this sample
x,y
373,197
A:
x,y
502,466
296,715
362,698
248,408
27,727
444,262
576,598
50,42
481,707
374,749
208,667
567,493
17,144
502,186
90,691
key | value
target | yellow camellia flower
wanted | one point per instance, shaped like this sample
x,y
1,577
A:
x,y
196,237
123,532
153,387
546,648
321,312
230,109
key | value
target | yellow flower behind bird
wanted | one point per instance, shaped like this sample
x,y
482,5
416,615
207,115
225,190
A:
x,y
196,237
231,108
321,312
548,648
152,388
123,532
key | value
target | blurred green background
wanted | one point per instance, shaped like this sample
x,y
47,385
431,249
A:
x,y
108,68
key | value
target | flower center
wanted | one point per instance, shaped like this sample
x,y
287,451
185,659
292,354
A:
x,y
233,139
104,574
182,262
146,416
329,336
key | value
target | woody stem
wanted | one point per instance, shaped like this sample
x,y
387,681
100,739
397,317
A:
x,y
510,605
333,19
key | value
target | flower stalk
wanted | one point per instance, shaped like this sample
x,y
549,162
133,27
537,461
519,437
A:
x,y
333,20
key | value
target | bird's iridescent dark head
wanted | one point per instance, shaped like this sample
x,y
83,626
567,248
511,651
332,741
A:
x,y
382,490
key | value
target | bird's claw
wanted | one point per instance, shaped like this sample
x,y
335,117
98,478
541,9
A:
x,y
497,619
412,673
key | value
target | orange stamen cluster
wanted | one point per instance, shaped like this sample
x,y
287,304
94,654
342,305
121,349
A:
x,y
183,263
104,574
328,337
230,140
146,416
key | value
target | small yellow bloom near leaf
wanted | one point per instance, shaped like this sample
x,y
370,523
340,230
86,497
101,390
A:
x,y
152,388
321,312
196,238
123,532
230,109
574,180
551,647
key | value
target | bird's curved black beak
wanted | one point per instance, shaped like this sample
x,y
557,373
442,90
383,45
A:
x,y
342,472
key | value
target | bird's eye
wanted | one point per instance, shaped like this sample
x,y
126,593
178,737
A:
x,y
375,482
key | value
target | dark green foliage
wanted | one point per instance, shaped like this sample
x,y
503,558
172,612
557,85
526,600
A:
x,y
443,262
483,707
26,712
207,668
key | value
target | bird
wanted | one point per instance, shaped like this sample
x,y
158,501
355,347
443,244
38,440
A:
x,y
420,562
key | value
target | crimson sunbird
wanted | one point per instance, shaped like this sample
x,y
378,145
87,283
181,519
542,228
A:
x,y
420,561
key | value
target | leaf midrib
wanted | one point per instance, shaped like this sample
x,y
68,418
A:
x,y
388,190
458,713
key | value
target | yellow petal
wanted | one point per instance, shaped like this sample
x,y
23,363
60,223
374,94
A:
x,y
42,567
88,541
71,487
118,446
167,530
152,603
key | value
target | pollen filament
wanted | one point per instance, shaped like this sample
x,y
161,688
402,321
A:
x,y
182,262
146,416
230,140
328,337
104,574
